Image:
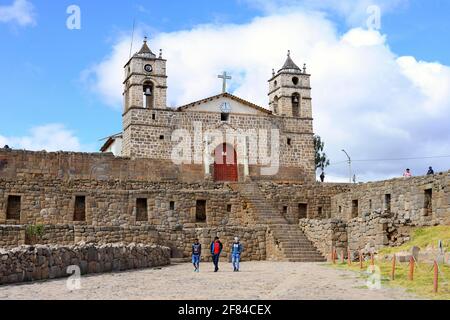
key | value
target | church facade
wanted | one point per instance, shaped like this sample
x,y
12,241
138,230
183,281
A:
x,y
223,137
220,166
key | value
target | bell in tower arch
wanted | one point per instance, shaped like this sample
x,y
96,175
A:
x,y
148,98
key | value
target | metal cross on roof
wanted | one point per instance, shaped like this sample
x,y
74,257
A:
x,y
224,77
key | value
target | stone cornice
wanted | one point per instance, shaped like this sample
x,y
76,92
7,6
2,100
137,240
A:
x,y
144,75
290,87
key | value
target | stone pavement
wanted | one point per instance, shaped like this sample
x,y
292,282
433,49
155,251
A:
x,y
258,280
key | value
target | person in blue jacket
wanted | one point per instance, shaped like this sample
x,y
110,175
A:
x,y
236,251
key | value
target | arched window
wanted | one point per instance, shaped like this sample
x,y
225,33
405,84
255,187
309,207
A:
x,y
148,95
275,105
296,105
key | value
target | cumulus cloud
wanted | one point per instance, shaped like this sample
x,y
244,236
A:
x,y
20,12
50,137
366,99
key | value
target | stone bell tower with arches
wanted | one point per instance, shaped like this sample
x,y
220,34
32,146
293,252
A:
x,y
290,91
145,104
145,84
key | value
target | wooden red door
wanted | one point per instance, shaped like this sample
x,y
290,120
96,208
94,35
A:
x,y
225,163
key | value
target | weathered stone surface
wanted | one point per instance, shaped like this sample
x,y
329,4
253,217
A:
x,y
24,263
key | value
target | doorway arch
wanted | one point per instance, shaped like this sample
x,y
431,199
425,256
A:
x,y
225,163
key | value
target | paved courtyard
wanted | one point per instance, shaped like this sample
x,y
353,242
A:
x,y
258,280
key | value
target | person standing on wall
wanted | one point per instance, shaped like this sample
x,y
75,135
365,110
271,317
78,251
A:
x,y
407,173
236,251
322,177
216,250
430,171
196,254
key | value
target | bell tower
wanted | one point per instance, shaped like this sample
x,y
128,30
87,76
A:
x,y
145,84
290,91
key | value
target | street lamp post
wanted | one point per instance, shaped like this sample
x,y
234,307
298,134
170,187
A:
x,y
349,165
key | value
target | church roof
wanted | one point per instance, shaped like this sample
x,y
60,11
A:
x,y
290,64
145,50
109,141
224,95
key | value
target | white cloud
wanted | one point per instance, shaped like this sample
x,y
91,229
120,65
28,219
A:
x,y
50,137
366,99
20,12
355,12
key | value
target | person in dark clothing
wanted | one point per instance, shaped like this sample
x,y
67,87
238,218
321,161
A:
x,y
196,254
322,177
216,250
430,171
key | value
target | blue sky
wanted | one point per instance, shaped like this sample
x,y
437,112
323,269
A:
x,y
44,64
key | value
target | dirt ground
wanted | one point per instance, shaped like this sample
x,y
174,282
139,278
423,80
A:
x,y
256,281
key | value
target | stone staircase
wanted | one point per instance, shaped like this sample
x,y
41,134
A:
x,y
266,212
291,244
287,242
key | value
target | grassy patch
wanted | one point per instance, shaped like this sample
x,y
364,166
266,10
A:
x,y
423,238
422,285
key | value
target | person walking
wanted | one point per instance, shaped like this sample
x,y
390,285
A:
x,y
196,254
430,171
407,173
322,177
216,250
236,251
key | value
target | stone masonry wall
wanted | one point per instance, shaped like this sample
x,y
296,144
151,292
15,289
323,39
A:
x,y
113,203
26,264
178,240
326,234
407,200
384,213
317,198
148,134
368,233
12,236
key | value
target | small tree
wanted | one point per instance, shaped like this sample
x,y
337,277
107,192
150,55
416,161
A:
x,y
322,160
34,233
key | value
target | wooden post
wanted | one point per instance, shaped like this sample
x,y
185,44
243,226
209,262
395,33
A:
x,y
436,277
393,267
333,257
361,260
343,256
349,257
372,259
411,268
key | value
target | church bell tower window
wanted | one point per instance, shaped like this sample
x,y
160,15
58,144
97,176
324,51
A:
x,y
148,95
295,105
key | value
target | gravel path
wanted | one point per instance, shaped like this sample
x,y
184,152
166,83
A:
x,y
257,280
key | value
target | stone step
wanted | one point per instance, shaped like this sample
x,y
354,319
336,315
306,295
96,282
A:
x,y
306,260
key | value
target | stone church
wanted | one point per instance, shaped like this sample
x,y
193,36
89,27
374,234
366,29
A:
x,y
230,138
220,166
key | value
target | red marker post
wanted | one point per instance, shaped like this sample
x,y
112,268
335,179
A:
x,y
393,268
436,277
411,268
